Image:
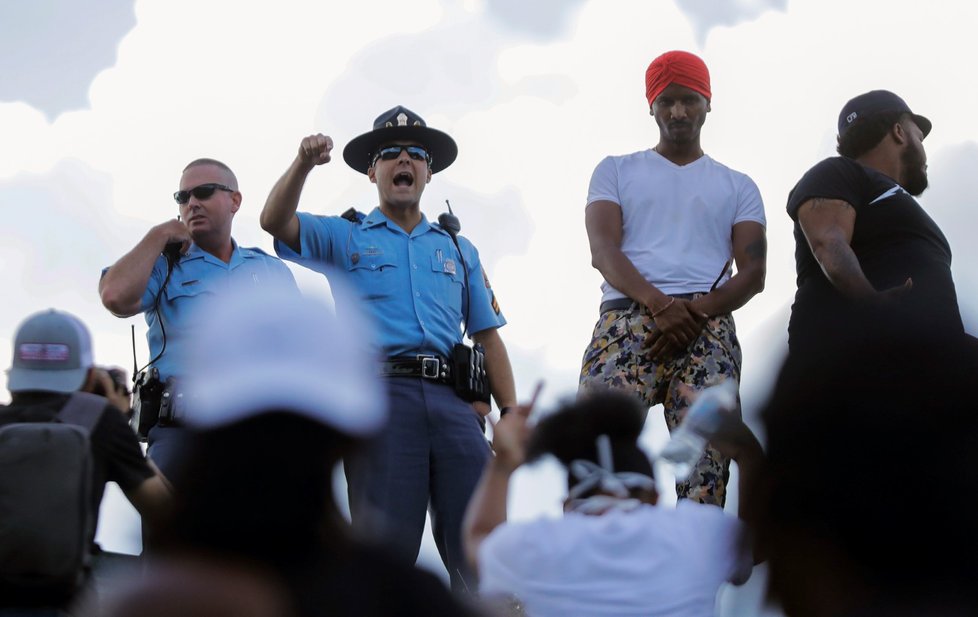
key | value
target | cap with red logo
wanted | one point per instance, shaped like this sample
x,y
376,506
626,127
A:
x,y
52,353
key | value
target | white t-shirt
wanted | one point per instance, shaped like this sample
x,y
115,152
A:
x,y
676,220
651,561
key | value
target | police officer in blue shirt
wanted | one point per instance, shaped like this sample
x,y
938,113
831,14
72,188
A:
x,y
418,286
202,259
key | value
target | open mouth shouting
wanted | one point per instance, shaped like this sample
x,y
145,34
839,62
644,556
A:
x,y
404,178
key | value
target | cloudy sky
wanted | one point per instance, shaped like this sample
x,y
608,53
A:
x,y
102,103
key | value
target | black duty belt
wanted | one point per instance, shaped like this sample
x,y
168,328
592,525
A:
x,y
427,367
616,305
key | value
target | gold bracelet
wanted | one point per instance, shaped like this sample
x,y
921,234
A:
x,y
663,309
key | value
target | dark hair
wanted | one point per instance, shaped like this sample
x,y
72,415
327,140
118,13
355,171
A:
x,y
872,451
259,489
865,133
570,432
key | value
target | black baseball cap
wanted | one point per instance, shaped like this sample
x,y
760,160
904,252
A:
x,y
877,102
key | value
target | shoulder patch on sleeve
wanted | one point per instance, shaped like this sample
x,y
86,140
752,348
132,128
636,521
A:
x,y
492,294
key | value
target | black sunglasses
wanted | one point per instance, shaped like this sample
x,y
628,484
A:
x,y
204,191
392,152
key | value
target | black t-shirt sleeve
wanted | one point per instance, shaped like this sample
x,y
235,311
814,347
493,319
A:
x,y
834,178
116,445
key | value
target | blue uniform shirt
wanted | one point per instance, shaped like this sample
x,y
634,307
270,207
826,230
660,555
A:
x,y
410,285
195,277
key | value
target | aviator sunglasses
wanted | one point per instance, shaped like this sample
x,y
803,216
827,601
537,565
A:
x,y
392,152
203,191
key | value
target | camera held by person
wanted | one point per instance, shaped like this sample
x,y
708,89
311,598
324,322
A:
x,y
110,382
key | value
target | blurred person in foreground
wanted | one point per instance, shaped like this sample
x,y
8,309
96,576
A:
x,y
279,390
614,552
872,476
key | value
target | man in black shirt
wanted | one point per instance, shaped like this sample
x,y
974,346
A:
x,y
862,242
52,358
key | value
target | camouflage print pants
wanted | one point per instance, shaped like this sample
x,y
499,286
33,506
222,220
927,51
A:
x,y
618,358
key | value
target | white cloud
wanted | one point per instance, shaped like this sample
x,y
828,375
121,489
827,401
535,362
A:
x,y
542,18
706,14
28,145
55,77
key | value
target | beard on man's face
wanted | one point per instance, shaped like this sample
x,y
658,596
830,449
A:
x,y
914,169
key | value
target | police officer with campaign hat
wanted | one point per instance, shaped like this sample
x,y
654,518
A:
x,y
418,281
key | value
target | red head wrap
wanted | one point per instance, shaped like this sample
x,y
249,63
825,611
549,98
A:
x,y
676,67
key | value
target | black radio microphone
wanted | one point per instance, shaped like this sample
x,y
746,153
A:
x,y
172,251
449,222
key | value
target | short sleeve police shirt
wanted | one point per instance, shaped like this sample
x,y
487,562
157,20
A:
x,y
196,276
411,285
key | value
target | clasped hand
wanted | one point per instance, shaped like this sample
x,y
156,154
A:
x,y
678,325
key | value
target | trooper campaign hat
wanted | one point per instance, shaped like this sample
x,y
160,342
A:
x,y
400,124
52,353
877,102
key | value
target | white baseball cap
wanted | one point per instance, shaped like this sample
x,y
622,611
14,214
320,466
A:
x,y
52,353
279,351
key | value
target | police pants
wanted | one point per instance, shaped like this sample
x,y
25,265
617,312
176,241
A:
x,y
431,455
166,448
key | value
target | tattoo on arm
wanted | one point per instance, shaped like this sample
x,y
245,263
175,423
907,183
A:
x,y
841,256
757,250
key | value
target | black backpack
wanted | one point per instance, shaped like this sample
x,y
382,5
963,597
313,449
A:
x,y
46,512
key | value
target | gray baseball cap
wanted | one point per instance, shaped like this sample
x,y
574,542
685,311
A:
x,y
52,353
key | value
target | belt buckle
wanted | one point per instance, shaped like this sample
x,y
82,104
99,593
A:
x,y
430,366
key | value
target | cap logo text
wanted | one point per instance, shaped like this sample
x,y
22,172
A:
x,y
44,352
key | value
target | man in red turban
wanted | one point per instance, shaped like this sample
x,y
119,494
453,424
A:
x,y
664,225
677,67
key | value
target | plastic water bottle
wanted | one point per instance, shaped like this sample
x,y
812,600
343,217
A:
x,y
702,421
